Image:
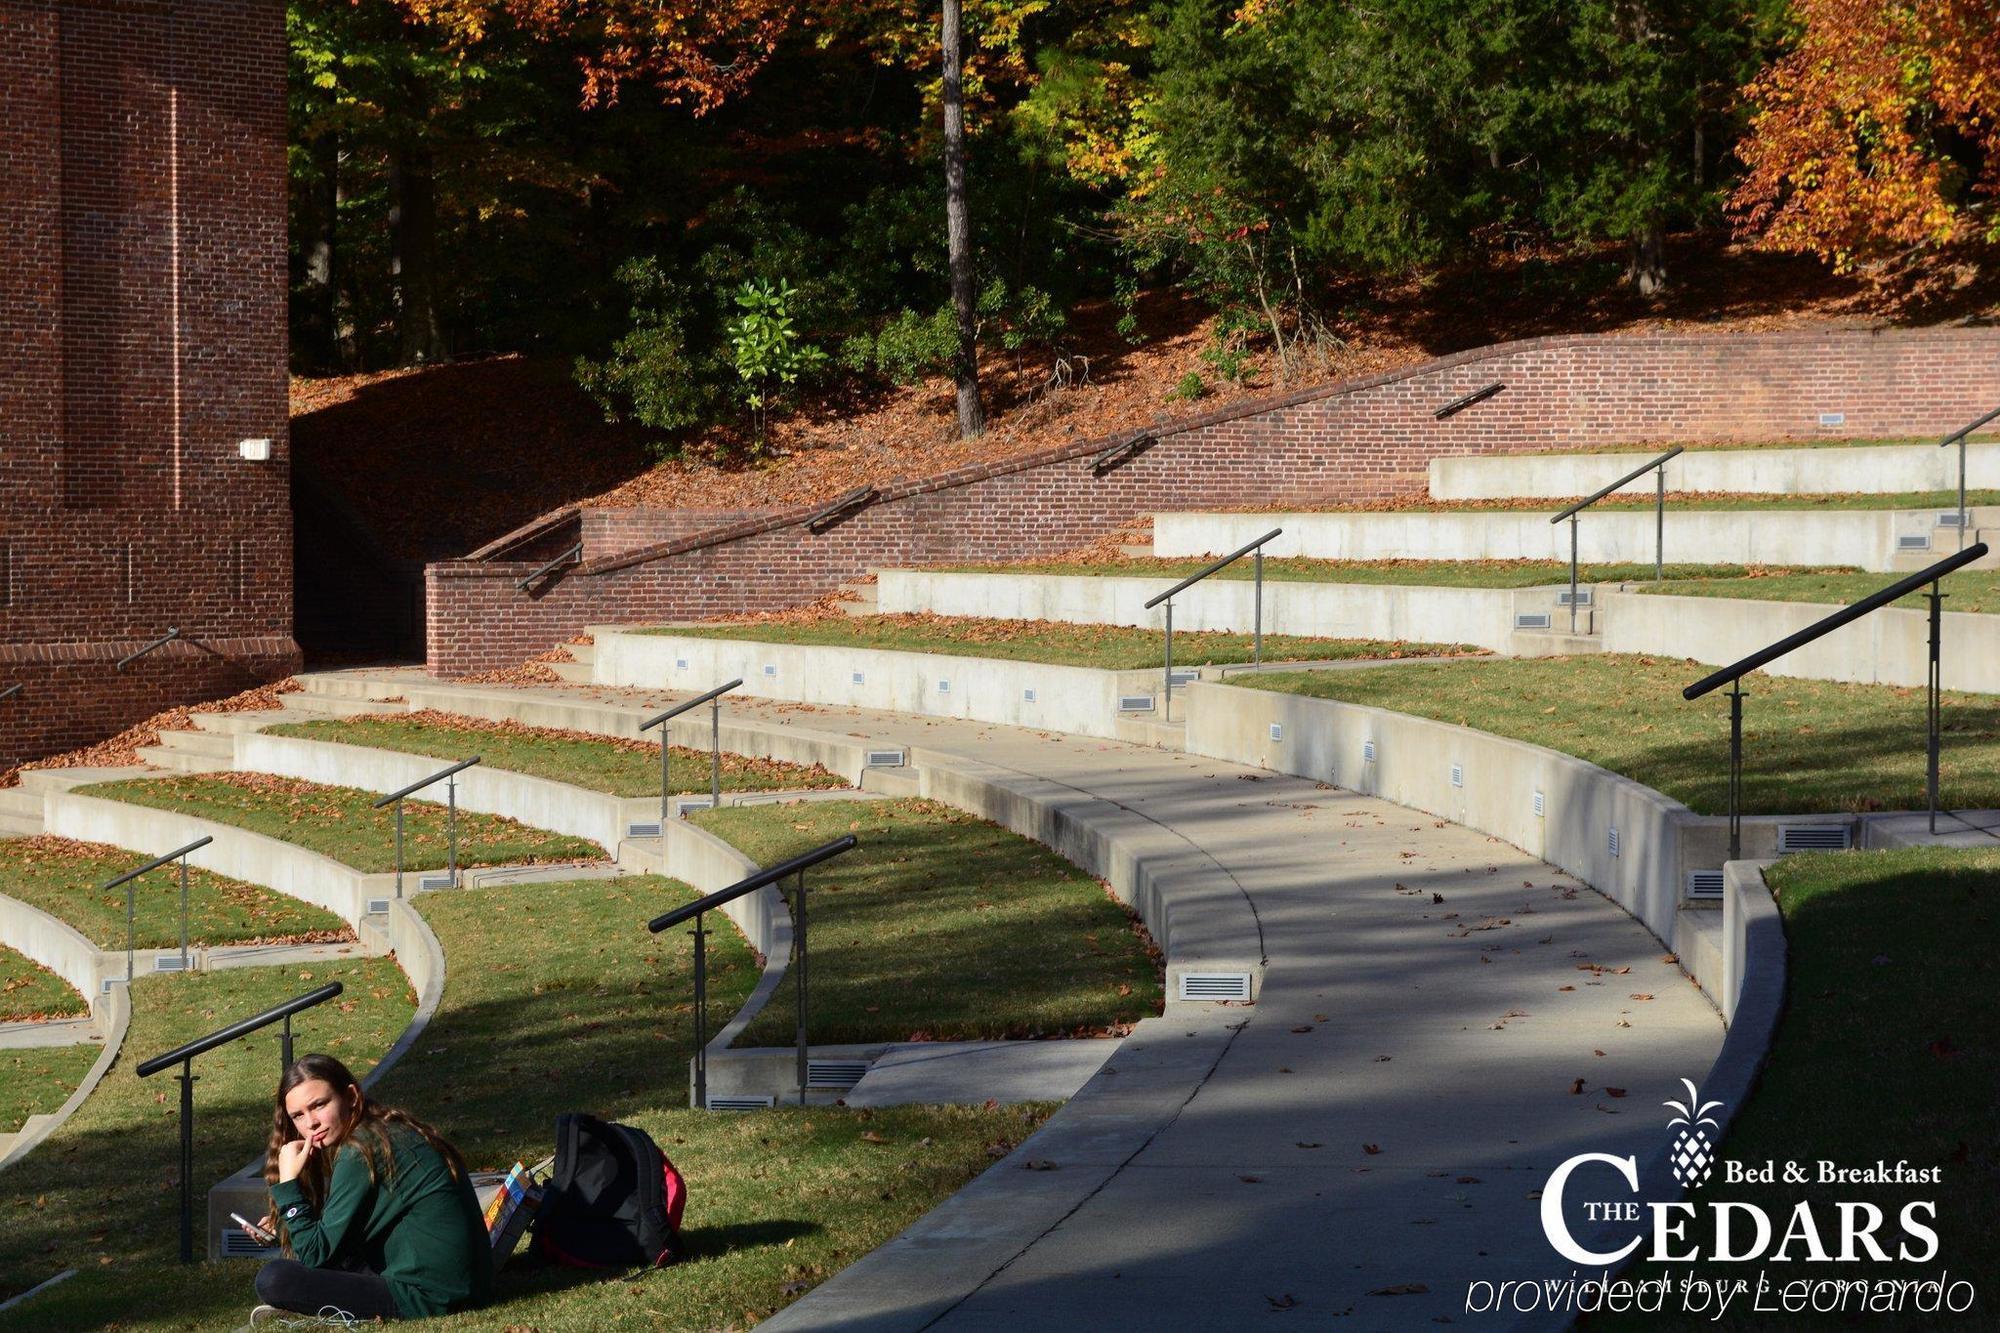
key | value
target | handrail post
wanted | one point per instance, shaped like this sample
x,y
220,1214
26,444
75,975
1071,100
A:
x,y
1961,501
1933,704
1660,525
451,828
129,891
700,1015
187,1160
1257,620
184,913
285,1047
799,953
1572,573
399,847
664,800
1736,769
1167,680
715,754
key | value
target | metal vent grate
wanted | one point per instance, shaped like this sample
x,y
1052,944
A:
x,y
171,962
1458,775
651,830
109,982
1613,843
688,807
770,670
1704,884
236,1245
1368,752
376,907
885,759
434,882
944,687
1833,418
1028,695
741,1103
1582,597
1532,620
1182,677
860,678
1215,985
1135,703
834,1073
1277,731
1949,519
1541,805
1913,541
1814,838
680,664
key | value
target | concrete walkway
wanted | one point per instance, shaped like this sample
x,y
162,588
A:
x,y
1370,1135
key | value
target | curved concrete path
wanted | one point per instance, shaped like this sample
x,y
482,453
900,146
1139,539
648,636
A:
x,y
1368,1137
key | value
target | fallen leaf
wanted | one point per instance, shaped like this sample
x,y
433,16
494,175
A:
x,y
1371,1149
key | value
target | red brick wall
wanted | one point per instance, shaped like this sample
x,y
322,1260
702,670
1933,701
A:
x,y
1361,440
142,290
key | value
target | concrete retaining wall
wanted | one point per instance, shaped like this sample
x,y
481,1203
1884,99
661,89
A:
x,y
1866,469
1888,647
1077,700
61,948
1865,539
1482,616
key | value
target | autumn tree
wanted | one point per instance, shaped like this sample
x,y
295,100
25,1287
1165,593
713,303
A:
x,y
1877,135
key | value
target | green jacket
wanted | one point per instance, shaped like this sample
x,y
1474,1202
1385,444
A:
x,y
418,1227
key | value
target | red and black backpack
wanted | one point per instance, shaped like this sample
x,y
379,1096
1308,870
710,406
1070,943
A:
x,y
614,1201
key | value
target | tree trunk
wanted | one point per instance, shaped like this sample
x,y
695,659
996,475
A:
x,y
412,241
958,231
346,346
1647,267
317,350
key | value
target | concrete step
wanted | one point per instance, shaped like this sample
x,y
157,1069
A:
x,y
1944,542
585,653
1140,729
19,826
339,705
207,744
21,801
183,761
1138,549
1553,643
573,673
233,724
40,780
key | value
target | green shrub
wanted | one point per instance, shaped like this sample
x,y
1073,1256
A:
x,y
1188,388
770,355
650,377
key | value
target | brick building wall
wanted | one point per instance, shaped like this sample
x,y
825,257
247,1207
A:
x,y
142,298
1360,440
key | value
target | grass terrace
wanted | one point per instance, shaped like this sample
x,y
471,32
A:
x,y
1970,590
339,821
1676,501
1105,647
597,763
568,1005
30,992
1890,982
1810,746
1978,437
942,926
1411,573
61,877
37,1080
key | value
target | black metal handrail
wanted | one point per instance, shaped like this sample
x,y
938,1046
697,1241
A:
x,y
184,1057
13,689
660,720
126,880
450,779
1257,613
840,507
1459,404
1659,519
1106,459
1733,674
1957,437
161,642
573,555
797,866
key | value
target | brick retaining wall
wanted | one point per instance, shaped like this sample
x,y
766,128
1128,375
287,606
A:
x,y
1360,440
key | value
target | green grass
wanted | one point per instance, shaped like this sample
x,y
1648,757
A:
x,y
1107,647
1810,746
61,877
1972,590
1414,573
339,821
568,1005
37,1080
1676,502
596,763
944,925
101,1194
29,991
1885,1052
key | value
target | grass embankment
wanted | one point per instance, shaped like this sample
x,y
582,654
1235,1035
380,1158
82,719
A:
x,y
1106,647
1677,502
340,822
61,877
597,763
29,991
36,1080
1810,746
101,1195
1885,1053
945,927
1710,446
567,1004
1410,573
1971,590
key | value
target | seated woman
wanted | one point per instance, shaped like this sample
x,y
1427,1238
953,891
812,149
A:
x,y
375,1209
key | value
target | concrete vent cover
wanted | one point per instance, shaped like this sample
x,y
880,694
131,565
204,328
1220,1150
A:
x,y
686,808
1135,703
170,962
1814,838
1532,620
886,759
1368,752
1948,520
651,830
236,1245
834,1073
376,907
1215,985
741,1103
1582,597
1613,844
434,882
1704,884
1458,775
1916,541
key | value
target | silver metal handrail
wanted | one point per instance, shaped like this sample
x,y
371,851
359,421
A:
x,y
126,881
160,642
1659,520
1257,620
714,700
450,779
1958,437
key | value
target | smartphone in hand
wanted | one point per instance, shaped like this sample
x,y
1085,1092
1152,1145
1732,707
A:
x,y
264,1235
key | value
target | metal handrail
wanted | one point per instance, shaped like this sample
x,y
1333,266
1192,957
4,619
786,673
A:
x,y
839,508
1733,674
574,553
1659,519
13,689
1257,622
184,1057
1957,437
125,881
798,866
1459,404
449,777
1104,459
161,642
714,746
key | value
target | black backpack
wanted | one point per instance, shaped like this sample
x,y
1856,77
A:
x,y
614,1200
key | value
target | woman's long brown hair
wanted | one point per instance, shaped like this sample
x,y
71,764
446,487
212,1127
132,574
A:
x,y
367,1127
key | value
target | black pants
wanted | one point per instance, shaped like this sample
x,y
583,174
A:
x,y
291,1285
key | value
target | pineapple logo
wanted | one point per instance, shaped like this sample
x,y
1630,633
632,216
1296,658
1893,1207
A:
x,y
1693,1156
